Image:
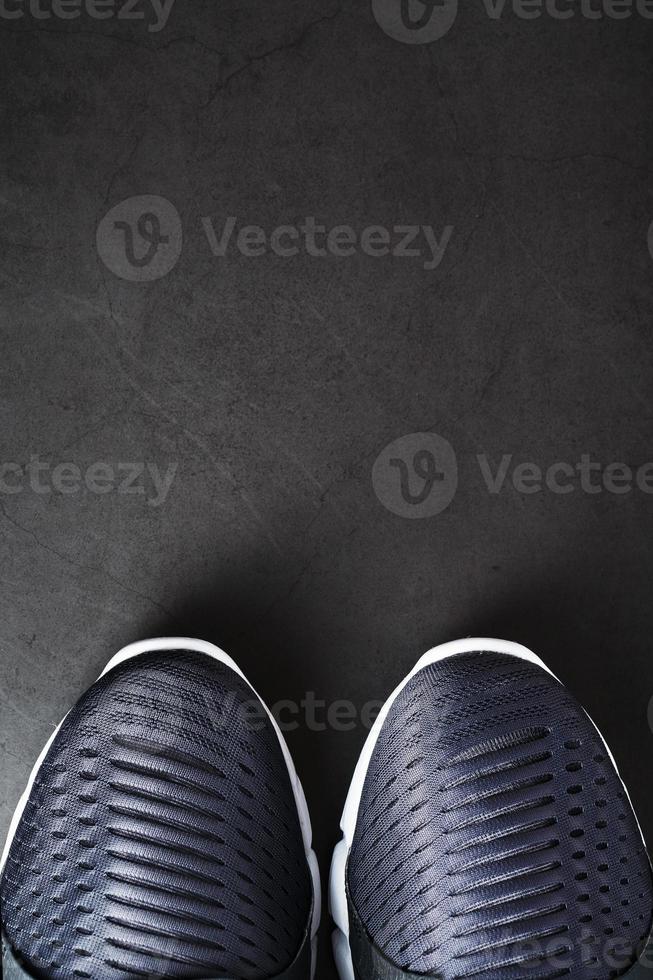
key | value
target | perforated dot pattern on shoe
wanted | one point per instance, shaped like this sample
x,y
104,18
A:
x,y
494,837
161,838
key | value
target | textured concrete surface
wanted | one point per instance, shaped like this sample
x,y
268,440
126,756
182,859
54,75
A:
x,y
272,384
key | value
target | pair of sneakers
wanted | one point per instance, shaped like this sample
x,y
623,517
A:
x,y
164,833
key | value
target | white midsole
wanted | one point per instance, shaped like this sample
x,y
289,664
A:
x,y
337,881
199,646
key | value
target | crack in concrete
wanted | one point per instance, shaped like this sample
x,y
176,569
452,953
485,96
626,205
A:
x,y
225,81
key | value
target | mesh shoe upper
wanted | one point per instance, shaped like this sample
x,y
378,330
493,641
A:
x,y
161,836
494,837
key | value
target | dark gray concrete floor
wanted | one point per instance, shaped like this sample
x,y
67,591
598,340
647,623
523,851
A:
x,y
273,384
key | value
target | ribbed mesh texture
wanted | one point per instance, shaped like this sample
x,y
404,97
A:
x,y
494,837
161,838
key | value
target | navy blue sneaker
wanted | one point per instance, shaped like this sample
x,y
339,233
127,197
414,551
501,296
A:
x,y
487,833
163,834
